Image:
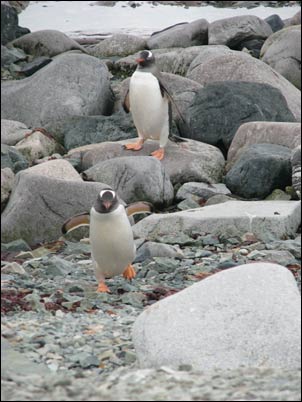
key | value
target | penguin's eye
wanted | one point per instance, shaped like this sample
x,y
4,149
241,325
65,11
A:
x,y
149,55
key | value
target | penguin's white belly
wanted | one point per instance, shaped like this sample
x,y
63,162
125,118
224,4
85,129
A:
x,y
148,108
112,243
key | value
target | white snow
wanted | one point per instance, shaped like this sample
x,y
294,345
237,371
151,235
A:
x,y
81,18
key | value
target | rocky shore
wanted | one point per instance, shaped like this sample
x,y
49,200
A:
x,y
214,311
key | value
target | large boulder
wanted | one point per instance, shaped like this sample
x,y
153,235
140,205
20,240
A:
x,y
232,218
239,66
118,45
75,84
182,35
43,197
12,131
282,51
46,43
260,169
263,132
295,20
138,178
7,181
296,170
235,31
185,161
246,316
9,24
220,108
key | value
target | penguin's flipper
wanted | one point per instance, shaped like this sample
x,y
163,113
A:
x,y
76,221
126,102
139,207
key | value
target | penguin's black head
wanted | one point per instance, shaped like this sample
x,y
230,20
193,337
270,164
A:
x,y
106,201
145,59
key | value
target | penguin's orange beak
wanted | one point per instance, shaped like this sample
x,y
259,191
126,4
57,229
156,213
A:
x,y
140,60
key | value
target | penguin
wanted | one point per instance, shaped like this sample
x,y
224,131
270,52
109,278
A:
x,y
111,237
150,104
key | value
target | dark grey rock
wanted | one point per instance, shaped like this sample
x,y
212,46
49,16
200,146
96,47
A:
x,y
32,67
76,131
136,178
202,190
182,35
46,43
9,24
13,159
253,46
11,55
275,22
75,84
220,108
260,169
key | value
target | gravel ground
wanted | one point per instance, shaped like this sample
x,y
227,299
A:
x,y
80,342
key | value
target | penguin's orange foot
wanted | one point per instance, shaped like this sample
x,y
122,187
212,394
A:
x,y
129,272
134,147
103,288
159,154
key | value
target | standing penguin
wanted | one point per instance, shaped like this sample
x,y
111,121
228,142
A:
x,y
111,238
150,104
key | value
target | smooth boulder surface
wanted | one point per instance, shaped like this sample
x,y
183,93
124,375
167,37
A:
x,y
7,181
118,45
245,316
220,108
263,132
234,31
182,35
282,51
47,42
75,84
296,170
260,169
233,218
39,205
238,66
184,161
140,178
12,131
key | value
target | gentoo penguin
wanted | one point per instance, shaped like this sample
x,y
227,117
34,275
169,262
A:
x,y
111,238
150,104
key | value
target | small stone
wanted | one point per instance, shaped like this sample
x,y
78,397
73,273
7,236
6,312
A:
x,y
254,255
13,268
16,245
165,265
59,314
243,251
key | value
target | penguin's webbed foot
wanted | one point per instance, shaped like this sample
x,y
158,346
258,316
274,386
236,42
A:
x,y
103,288
159,154
134,147
129,272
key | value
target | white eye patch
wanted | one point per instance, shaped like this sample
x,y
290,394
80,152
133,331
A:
x,y
107,191
149,54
